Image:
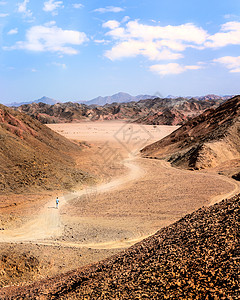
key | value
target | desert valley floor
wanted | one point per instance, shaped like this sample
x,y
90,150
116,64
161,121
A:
x,y
132,198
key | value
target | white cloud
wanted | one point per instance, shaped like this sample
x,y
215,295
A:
x,y
133,48
105,42
13,31
185,33
112,24
2,15
52,6
52,39
22,8
155,42
230,62
172,68
78,5
125,19
229,35
107,9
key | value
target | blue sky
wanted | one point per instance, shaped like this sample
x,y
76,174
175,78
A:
x,y
78,50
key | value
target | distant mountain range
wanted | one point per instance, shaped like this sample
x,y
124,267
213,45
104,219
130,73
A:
x,y
118,98
44,99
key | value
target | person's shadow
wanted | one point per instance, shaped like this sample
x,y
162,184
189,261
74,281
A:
x,y
52,207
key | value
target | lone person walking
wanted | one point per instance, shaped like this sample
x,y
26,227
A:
x,y
57,201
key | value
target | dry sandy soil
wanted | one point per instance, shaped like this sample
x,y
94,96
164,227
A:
x,y
133,198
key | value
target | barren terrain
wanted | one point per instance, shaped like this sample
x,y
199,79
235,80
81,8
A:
x,y
133,198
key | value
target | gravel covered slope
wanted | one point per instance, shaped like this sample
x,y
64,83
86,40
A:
x,y
195,258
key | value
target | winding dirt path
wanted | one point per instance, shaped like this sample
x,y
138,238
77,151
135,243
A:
x,y
218,198
234,192
48,224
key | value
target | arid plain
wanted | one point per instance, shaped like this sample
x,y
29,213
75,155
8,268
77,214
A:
x,y
129,199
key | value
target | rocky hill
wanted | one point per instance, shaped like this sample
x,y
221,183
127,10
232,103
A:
x,y
165,117
203,142
149,111
33,157
195,258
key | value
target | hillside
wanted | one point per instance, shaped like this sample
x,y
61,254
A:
x,y
208,140
33,157
149,111
195,258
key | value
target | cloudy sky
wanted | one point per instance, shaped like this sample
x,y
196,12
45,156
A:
x,y
78,50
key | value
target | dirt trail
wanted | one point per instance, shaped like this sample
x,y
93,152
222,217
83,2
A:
x,y
235,191
218,198
48,225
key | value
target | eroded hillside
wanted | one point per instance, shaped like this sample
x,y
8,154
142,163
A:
x,y
33,157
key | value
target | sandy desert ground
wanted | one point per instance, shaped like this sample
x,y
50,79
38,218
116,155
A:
x,y
133,198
